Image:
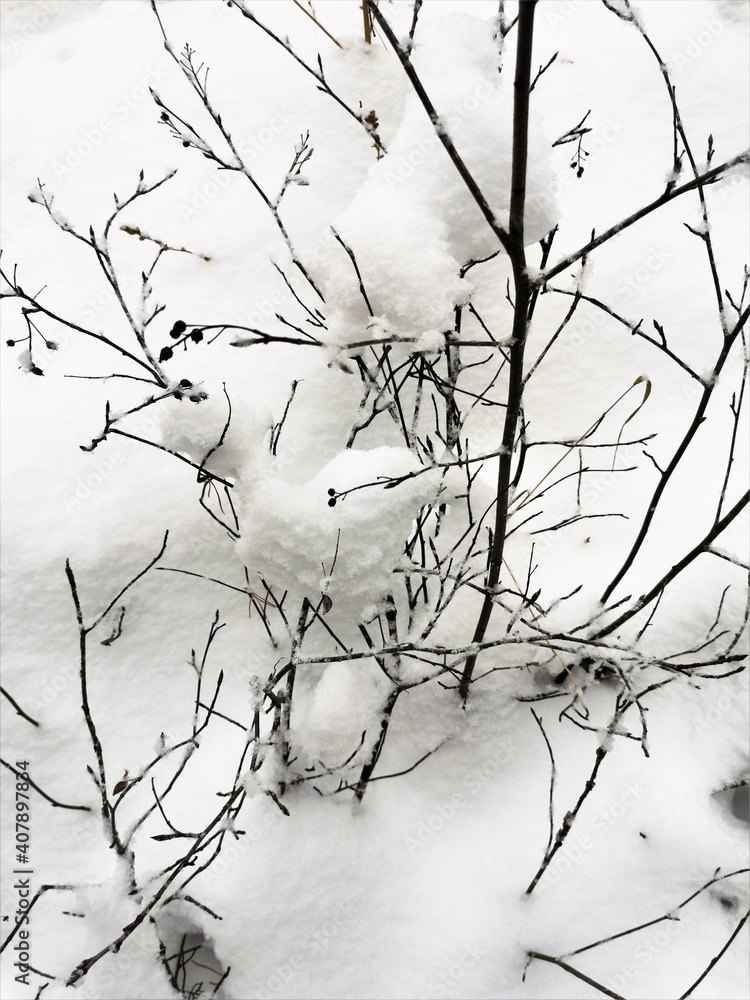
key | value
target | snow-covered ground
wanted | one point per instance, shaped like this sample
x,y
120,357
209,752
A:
x,y
421,890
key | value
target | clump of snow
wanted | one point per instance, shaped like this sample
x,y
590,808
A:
x,y
195,430
290,534
476,105
342,706
373,903
406,263
413,224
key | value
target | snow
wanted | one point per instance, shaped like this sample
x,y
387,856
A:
x,y
420,889
438,223
293,538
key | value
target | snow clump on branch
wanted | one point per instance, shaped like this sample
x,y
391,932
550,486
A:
x,y
412,224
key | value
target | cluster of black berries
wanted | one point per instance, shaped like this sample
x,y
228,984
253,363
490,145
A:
x,y
29,365
51,345
178,334
186,388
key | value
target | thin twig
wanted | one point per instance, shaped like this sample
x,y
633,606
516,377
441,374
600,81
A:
x,y
688,437
574,972
553,774
716,958
18,708
708,177
25,777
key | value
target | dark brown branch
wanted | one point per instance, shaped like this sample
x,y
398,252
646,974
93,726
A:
x,y
135,579
702,546
25,777
38,307
516,251
658,920
236,163
635,328
168,451
37,896
439,127
707,178
106,807
18,708
355,265
83,632
83,967
688,437
574,972
716,958
569,818
385,718
678,128
319,76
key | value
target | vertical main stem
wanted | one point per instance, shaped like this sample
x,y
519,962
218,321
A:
x,y
522,287
366,16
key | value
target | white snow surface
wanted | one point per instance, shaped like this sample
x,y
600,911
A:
x,y
346,554
420,891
